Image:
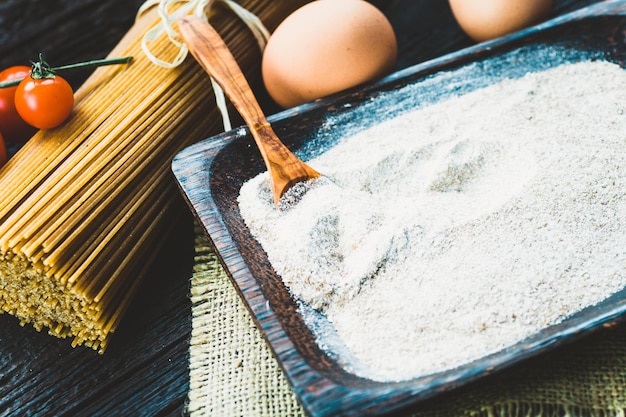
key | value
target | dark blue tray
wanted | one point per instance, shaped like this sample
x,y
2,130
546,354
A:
x,y
211,173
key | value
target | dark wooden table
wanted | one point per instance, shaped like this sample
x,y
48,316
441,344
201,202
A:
x,y
144,372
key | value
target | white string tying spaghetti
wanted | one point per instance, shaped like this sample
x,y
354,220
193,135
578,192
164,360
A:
x,y
201,8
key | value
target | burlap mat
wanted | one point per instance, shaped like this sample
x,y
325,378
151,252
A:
x,y
233,373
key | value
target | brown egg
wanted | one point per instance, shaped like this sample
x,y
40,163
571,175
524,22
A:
x,y
488,19
325,47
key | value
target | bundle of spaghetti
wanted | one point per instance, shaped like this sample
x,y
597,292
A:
x,y
85,207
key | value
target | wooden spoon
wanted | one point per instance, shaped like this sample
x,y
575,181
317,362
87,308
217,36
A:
x,y
206,45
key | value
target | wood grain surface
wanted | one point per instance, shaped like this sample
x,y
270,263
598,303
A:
x,y
145,370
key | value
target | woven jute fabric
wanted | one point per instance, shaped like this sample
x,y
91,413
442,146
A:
x,y
233,373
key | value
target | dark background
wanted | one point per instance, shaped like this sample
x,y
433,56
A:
x,y
144,372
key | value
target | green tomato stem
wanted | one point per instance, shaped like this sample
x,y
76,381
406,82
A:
x,y
11,83
93,63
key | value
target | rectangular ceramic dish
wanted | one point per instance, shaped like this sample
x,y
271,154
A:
x,y
211,173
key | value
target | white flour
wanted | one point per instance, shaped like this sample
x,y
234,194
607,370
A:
x,y
455,230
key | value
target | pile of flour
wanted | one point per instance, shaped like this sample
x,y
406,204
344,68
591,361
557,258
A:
x,y
457,229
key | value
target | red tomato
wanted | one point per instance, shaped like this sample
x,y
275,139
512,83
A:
x,y
3,152
44,103
13,127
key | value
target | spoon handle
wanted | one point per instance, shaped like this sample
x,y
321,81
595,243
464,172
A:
x,y
208,48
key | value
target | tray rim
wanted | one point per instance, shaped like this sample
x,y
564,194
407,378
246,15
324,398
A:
x,y
198,158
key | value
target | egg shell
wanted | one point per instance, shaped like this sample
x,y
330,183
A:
x,y
327,46
488,19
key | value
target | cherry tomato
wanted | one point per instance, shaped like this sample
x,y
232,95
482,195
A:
x,y
3,152
13,127
45,102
